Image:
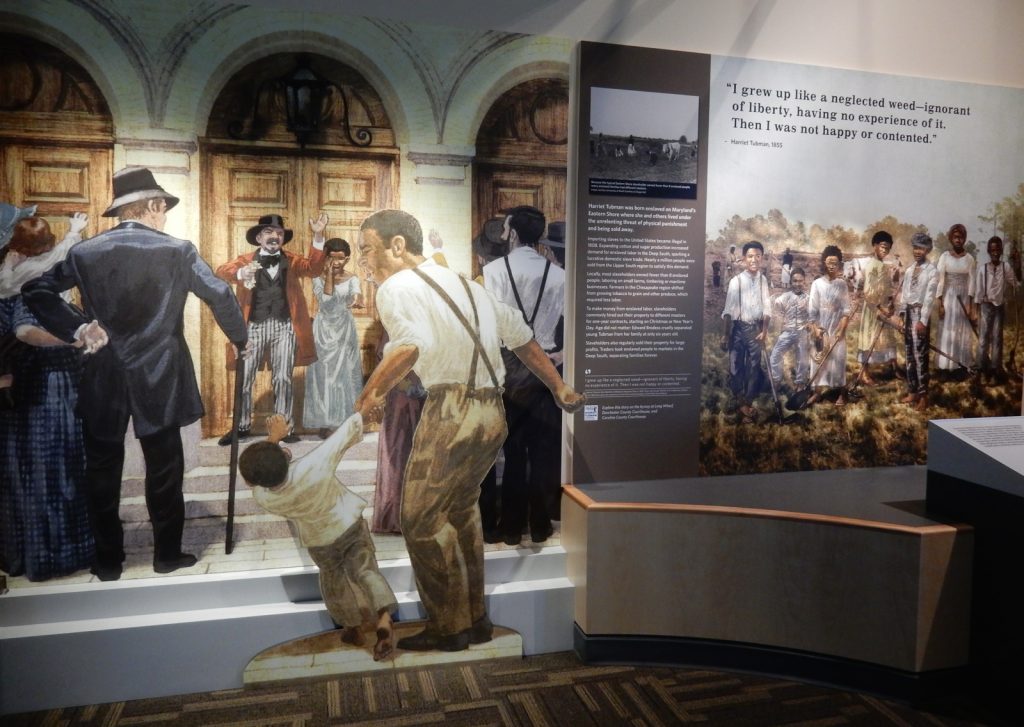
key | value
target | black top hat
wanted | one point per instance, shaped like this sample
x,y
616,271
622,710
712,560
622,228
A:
x,y
268,221
488,243
135,184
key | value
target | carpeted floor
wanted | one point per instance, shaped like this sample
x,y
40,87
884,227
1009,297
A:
x,y
551,689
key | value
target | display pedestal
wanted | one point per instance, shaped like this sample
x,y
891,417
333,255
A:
x,y
976,475
835,577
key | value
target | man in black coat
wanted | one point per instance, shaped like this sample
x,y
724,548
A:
x,y
134,282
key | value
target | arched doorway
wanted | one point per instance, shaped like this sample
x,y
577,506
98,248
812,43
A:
x,y
521,151
56,135
261,155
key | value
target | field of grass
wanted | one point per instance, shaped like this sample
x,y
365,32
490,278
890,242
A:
x,y
870,431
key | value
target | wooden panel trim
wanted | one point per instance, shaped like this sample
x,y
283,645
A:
x,y
590,504
251,148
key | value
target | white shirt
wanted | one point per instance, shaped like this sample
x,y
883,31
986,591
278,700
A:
x,y
922,290
748,298
994,281
312,497
528,269
414,314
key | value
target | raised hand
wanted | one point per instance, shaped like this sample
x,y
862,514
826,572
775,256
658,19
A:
x,y
78,222
319,224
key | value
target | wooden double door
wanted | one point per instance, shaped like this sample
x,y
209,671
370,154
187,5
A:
x,y
238,189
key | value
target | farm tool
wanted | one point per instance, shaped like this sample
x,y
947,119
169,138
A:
x,y
933,347
801,399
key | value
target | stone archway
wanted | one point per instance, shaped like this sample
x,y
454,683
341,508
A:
x,y
253,164
56,135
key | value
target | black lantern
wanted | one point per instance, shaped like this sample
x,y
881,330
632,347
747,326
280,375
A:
x,y
304,93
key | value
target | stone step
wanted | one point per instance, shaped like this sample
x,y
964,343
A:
x,y
203,531
212,454
215,504
353,472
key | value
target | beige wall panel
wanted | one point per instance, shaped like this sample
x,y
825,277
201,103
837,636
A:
x,y
852,592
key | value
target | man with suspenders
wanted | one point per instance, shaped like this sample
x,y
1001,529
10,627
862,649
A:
x,y
528,281
449,331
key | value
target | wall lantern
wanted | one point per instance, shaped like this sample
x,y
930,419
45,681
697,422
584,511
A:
x,y
306,95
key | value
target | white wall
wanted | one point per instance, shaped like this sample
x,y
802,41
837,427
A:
x,y
959,40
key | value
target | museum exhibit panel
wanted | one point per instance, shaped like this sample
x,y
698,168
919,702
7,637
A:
x,y
759,432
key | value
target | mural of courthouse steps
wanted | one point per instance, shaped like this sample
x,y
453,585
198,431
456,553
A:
x,y
206,497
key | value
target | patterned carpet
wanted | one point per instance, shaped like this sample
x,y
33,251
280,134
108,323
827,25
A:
x,y
551,689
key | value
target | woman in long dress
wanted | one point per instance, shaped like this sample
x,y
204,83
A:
x,y
955,294
828,308
334,381
44,522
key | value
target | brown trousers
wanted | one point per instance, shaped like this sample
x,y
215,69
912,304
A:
x,y
352,586
455,444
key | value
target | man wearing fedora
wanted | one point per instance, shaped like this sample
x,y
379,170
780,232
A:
x,y
267,281
134,282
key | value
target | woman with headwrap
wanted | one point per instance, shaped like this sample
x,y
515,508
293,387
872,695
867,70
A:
x,y
44,525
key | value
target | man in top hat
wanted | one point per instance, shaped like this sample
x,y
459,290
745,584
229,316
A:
x,y
134,282
267,281
526,280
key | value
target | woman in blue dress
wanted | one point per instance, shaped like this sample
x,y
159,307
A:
x,y
335,379
44,524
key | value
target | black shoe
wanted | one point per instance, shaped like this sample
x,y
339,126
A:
x,y
183,560
481,631
493,536
291,439
243,434
513,538
430,640
106,572
539,536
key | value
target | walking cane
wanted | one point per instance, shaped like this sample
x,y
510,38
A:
x,y
233,465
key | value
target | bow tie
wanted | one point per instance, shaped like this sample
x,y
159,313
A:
x,y
268,261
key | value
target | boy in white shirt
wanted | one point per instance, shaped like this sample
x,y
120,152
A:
x,y
329,518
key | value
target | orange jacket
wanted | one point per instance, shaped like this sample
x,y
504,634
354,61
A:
x,y
298,267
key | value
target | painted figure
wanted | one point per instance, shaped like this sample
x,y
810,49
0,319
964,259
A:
x,y
955,295
791,308
528,281
267,282
134,281
329,520
917,295
335,379
44,521
787,267
875,341
995,284
828,308
747,314
448,330
402,411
